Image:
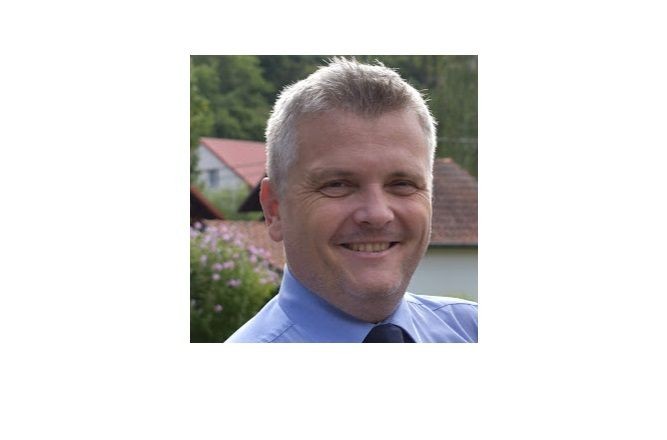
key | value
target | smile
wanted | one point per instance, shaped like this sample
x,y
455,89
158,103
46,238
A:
x,y
369,247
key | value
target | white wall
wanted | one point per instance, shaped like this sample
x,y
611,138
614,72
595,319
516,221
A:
x,y
208,161
447,272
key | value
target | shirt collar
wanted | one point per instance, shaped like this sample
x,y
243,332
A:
x,y
403,318
322,322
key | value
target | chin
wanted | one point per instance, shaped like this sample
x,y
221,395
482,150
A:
x,y
376,290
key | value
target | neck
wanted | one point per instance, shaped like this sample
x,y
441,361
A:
x,y
365,310
367,307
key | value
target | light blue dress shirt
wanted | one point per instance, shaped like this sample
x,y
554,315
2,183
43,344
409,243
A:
x,y
298,315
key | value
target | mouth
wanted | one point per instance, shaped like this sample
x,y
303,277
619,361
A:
x,y
370,247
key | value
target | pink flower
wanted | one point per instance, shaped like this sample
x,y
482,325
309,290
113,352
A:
x,y
216,277
217,308
228,265
234,283
218,267
203,259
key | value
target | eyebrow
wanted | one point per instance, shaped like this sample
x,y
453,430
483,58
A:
x,y
405,174
320,174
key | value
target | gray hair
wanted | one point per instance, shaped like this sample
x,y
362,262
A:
x,y
344,84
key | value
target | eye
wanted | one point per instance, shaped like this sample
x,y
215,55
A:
x,y
403,187
336,188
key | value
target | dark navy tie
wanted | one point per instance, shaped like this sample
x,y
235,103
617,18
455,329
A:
x,y
388,333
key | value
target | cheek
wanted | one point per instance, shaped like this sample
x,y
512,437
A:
x,y
418,206
317,221
326,218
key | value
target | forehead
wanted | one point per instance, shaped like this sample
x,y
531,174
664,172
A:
x,y
402,122
348,138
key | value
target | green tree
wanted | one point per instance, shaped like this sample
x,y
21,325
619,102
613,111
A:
x,y
201,118
228,99
455,101
450,83
283,70
236,93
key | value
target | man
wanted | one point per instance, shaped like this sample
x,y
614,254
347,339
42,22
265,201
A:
x,y
350,168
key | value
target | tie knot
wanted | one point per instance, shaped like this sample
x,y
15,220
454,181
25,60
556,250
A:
x,y
388,333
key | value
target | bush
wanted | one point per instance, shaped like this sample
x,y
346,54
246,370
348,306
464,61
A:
x,y
229,282
228,200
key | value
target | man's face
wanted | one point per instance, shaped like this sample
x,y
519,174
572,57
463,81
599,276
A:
x,y
356,213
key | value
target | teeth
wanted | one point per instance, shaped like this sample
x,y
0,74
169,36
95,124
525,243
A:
x,y
368,247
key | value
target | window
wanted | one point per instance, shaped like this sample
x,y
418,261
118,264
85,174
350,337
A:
x,y
213,178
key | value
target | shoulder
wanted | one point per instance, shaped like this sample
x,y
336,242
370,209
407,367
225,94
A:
x,y
457,315
270,324
434,303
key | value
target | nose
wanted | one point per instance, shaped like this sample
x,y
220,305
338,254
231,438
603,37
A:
x,y
374,208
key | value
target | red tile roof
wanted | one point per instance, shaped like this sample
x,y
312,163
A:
x,y
246,158
454,205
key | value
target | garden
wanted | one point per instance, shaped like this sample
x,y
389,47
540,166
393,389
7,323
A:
x,y
230,281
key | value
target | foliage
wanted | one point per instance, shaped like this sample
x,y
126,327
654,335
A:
x,y
201,118
228,200
467,296
233,95
229,282
237,92
450,84
283,70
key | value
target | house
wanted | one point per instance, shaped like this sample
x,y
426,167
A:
x,y
230,164
202,209
449,267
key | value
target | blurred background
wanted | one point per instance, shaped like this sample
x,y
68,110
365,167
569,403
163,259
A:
x,y
235,268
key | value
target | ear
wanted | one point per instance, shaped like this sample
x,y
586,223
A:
x,y
268,197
